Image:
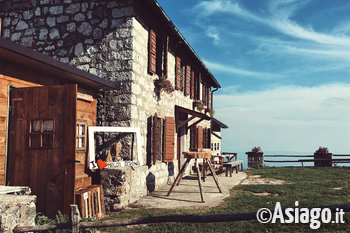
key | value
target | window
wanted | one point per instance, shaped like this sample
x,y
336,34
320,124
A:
x,y
178,73
81,136
152,52
41,133
158,54
192,95
187,88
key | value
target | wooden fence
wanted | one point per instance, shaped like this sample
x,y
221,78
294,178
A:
x,y
75,225
307,159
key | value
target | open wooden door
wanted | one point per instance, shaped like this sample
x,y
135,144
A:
x,y
42,144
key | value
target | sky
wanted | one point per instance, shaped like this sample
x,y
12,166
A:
x,y
284,69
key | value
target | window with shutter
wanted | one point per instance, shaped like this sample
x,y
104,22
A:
x,y
192,85
188,80
169,139
160,52
198,86
208,137
204,93
200,137
178,73
152,52
205,138
208,97
166,50
183,76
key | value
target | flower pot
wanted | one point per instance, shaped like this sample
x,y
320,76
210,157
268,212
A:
x,y
323,156
255,159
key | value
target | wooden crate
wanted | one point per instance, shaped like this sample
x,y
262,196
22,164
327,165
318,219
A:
x,y
90,201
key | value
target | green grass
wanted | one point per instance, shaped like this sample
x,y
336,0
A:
x,y
312,187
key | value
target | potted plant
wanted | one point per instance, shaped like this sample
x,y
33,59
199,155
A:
x,y
210,111
199,105
164,85
255,158
323,153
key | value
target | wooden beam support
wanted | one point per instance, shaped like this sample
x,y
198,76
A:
x,y
197,122
185,122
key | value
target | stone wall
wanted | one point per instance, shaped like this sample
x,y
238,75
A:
x,y
127,185
16,209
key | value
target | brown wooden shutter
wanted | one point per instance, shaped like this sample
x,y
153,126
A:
x,y
209,138
199,86
152,52
169,139
208,97
188,80
166,50
178,73
204,92
200,137
192,85
205,138
155,138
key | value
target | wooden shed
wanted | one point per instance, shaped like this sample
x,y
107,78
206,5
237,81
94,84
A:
x,y
45,109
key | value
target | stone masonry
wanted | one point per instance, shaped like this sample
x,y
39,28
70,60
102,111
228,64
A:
x,y
16,209
107,39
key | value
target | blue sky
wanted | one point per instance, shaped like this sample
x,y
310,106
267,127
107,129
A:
x,y
284,68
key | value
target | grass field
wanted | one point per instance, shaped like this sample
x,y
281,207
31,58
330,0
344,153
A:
x,y
312,187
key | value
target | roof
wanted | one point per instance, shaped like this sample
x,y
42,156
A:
x,y
24,56
218,123
192,112
214,82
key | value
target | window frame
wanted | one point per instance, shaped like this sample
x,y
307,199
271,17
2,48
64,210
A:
x,y
77,135
41,134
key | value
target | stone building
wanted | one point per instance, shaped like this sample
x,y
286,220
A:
x,y
134,44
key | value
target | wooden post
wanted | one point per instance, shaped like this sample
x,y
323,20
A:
x,y
75,218
179,176
199,181
214,176
184,170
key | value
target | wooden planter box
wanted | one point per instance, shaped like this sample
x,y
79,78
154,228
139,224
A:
x,y
255,159
318,163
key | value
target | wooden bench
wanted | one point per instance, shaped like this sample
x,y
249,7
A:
x,y
230,165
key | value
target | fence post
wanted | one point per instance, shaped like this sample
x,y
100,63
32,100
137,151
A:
x,y
75,218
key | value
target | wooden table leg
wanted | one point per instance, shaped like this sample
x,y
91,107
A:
x,y
199,181
184,170
214,176
204,168
179,176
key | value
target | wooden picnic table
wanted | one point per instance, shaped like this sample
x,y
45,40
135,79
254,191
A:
x,y
206,156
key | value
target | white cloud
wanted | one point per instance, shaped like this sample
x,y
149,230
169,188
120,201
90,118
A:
x,y
237,71
287,118
278,18
213,32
